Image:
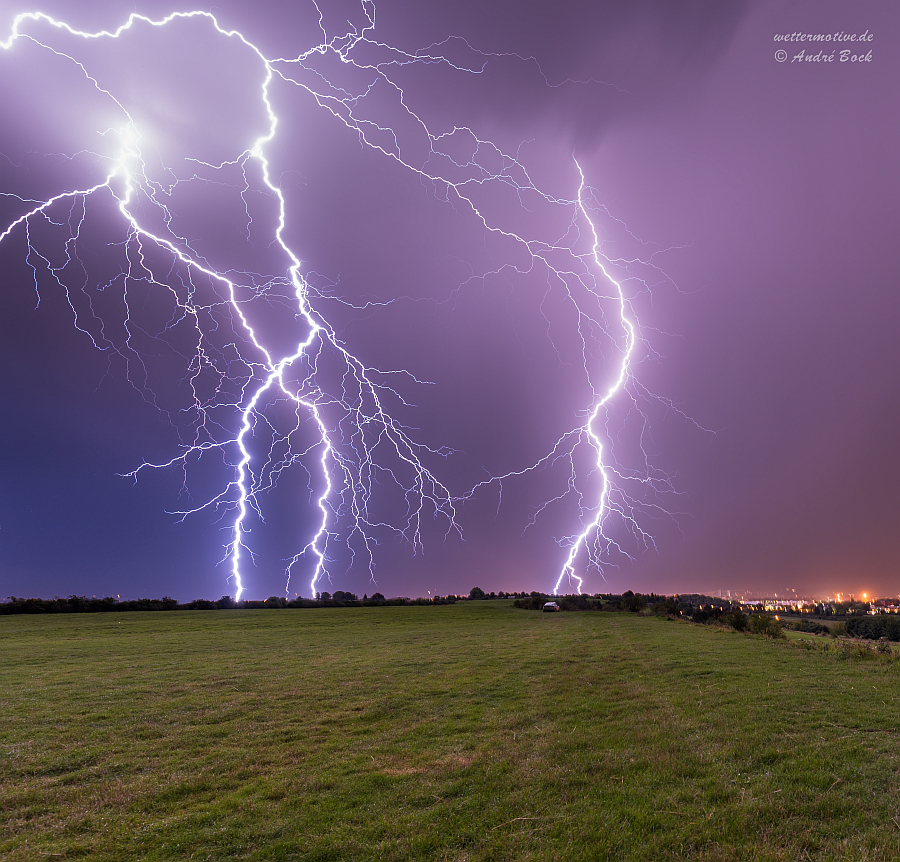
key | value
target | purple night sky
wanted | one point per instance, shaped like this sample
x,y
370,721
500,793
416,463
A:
x,y
751,206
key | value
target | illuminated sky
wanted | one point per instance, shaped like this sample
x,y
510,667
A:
x,y
762,196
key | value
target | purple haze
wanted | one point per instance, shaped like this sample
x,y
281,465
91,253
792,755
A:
x,y
763,192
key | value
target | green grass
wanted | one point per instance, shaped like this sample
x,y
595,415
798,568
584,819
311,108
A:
x,y
467,732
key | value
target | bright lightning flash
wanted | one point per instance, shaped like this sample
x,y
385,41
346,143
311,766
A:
x,y
263,405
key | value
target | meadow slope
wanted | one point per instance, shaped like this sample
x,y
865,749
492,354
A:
x,y
467,732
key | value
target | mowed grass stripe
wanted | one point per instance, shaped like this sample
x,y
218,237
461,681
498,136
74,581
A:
x,y
464,732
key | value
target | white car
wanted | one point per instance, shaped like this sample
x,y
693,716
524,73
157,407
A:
x,y
550,606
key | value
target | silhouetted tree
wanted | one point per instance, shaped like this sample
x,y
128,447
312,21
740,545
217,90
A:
x,y
633,602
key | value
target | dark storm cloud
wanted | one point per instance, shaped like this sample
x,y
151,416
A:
x,y
586,64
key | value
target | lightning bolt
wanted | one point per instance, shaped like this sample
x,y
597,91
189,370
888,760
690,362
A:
x,y
593,529
601,297
261,406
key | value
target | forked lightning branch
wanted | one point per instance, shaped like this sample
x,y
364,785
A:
x,y
259,408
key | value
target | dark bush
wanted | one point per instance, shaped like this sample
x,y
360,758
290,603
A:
x,y
808,626
874,627
737,620
761,624
531,603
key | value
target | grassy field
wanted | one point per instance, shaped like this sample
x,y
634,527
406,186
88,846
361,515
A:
x,y
467,732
